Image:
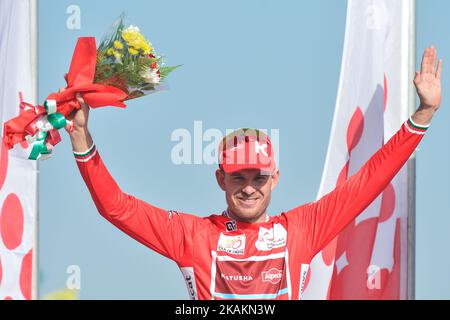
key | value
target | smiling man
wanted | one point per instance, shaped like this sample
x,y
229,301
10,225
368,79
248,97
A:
x,y
243,253
247,173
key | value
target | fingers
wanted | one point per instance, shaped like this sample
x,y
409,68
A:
x,y
425,61
81,100
429,63
433,60
439,69
71,115
417,78
429,60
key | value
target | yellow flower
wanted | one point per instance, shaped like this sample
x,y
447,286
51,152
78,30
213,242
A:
x,y
131,30
132,36
110,52
133,51
135,44
118,45
146,47
128,36
135,41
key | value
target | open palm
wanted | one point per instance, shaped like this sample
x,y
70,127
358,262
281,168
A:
x,y
428,80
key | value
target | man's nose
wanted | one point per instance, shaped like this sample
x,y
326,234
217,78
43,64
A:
x,y
248,190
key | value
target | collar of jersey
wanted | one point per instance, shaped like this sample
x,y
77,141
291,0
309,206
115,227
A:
x,y
245,225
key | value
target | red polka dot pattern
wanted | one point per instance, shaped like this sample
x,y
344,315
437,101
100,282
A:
x,y
25,275
355,130
357,241
11,222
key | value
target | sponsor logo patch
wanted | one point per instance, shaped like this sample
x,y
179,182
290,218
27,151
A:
x,y
272,238
189,278
303,274
231,225
172,213
236,277
273,275
231,244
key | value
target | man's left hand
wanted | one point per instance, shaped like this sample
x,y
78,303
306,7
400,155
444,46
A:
x,y
428,86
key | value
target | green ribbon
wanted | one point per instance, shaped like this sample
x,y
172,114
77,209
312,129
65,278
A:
x,y
57,120
39,147
50,106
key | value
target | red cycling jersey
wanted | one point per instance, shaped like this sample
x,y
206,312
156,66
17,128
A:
x,y
225,259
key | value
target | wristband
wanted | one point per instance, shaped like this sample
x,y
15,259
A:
x,y
415,128
85,155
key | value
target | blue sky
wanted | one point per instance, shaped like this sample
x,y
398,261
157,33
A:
x,y
276,64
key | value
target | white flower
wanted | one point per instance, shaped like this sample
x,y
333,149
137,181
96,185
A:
x,y
118,58
151,76
132,28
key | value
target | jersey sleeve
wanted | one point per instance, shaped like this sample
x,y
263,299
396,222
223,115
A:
x,y
167,232
322,220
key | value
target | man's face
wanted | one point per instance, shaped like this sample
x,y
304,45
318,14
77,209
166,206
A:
x,y
247,193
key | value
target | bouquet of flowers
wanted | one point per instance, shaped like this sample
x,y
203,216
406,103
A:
x,y
126,60
125,66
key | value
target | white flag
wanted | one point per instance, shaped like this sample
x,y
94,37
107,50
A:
x,y
368,260
18,176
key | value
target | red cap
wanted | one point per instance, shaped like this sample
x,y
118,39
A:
x,y
246,149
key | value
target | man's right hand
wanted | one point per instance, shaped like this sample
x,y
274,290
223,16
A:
x,y
80,117
80,137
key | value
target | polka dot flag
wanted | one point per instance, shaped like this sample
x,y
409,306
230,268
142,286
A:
x,y
368,259
18,176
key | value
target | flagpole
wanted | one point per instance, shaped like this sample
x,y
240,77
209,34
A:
x,y
412,162
34,76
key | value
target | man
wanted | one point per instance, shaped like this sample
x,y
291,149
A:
x,y
244,253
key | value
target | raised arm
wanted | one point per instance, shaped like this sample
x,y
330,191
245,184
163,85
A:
x,y
168,233
322,220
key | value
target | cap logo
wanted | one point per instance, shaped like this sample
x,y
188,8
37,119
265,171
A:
x,y
261,148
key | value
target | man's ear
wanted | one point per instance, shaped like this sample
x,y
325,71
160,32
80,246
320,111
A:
x,y
220,177
275,179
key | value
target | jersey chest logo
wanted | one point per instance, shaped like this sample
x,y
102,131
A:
x,y
272,238
231,244
273,276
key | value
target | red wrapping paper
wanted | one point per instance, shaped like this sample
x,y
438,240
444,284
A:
x,y
79,80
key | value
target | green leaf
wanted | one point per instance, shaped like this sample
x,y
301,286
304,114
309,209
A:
x,y
165,71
